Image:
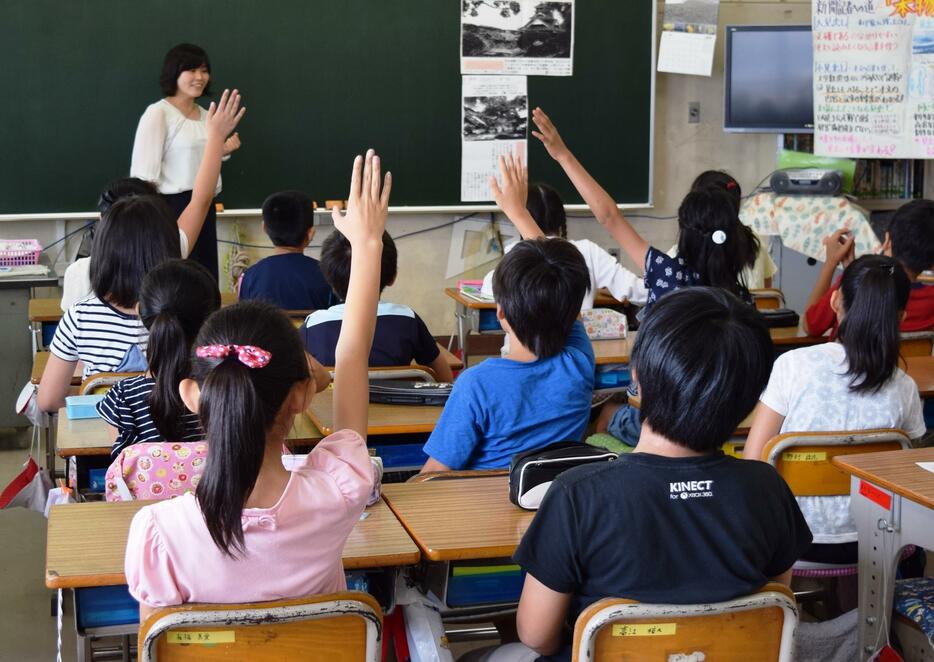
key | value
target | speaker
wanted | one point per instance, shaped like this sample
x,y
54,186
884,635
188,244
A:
x,y
807,181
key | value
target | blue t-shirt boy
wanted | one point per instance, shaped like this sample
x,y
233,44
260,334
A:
x,y
502,407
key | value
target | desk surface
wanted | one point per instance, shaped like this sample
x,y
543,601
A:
x,y
75,559
895,471
90,436
468,518
921,369
383,419
613,351
39,362
795,336
45,310
601,299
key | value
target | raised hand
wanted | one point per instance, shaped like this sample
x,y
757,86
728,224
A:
x,y
841,247
367,204
223,118
549,136
511,197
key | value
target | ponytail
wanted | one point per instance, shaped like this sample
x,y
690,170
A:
x,y
713,242
239,403
875,292
175,299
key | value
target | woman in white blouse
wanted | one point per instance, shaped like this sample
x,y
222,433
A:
x,y
170,140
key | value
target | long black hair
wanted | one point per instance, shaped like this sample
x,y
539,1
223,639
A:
x,y
718,179
546,207
875,291
704,217
238,405
174,300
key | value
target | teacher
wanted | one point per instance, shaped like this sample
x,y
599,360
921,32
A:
x,y
170,140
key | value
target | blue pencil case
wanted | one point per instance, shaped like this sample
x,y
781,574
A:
x,y
82,406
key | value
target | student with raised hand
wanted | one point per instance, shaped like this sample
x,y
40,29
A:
x,y
851,384
253,530
103,330
675,521
910,240
546,208
714,247
221,118
540,391
174,300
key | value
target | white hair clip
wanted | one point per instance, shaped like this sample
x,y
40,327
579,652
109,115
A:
x,y
719,237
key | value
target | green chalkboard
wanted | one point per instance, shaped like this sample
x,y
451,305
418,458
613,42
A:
x,y
321,79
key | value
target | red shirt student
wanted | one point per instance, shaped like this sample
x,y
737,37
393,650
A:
x,y
910,240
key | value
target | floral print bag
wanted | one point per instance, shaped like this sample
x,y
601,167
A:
x,y
156,470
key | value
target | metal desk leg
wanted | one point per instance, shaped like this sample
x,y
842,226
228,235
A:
x,y
879,550
461,312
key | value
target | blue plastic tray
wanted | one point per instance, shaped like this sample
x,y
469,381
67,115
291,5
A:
x,y
105,605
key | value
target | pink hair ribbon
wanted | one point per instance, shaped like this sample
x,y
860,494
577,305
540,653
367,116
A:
x,y
248,355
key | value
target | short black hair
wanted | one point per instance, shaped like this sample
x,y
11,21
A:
x,y
702,358
183,57
133,237
540,285
722,180
912,231
546,207
123,188
335,263
288,215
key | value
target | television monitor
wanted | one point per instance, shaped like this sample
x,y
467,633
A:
x,y
768,79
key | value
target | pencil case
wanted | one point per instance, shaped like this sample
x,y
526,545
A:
x,y
82,406
532,472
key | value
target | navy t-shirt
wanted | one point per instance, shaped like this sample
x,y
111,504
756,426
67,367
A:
x,y
665,274
401,336
663,530
291,281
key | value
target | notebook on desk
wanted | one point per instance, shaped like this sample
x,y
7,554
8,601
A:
x,y
403,392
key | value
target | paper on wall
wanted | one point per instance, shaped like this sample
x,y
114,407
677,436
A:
x,y
494,122
874,79
530,37
689,37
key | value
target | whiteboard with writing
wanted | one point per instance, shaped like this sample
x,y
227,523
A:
x,y
874,78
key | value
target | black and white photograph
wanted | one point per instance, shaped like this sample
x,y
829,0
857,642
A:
x,y
533,37
496,118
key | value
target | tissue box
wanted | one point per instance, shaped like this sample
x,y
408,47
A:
x,y
82,406
604,324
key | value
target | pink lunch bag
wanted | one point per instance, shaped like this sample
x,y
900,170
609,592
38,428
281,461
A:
x,y
158,470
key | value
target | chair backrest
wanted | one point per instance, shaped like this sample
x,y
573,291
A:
x,y
916,343
450,475
760,626
804,458
768,298
335,628
101,382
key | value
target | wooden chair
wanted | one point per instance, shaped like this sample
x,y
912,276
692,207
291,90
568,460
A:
x,y
916,343
804,460
760,626
768,298
450,475
337,627
101,382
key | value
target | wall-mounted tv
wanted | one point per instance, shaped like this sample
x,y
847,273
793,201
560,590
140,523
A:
x,y
768,79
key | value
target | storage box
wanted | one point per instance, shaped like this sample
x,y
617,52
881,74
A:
x,y
19,252
466,584
102,606
82,406
612,376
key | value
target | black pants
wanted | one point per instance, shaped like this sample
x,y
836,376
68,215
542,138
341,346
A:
x,y
205,249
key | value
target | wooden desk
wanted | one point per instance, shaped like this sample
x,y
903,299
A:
x,y
467,518
608,352
382,419
790,337
39,362
45,310
228,298
892,503
75,559
921,369
91,436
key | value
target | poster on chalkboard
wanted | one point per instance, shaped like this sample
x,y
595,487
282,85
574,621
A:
x,y
494,122
874,78
517,37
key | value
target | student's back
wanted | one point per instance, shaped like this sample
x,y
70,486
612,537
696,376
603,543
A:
x,y
541,391
288,278
675,521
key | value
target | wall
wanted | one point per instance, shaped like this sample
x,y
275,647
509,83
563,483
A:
x,y
681,151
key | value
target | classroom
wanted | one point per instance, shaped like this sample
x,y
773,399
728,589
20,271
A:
x,y
488,330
